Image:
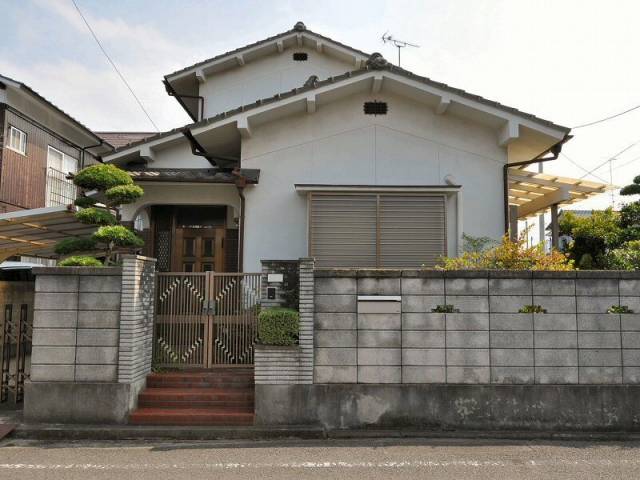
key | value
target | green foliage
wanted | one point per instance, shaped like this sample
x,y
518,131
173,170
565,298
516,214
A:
x,y
632,189
123,194
509,255
96,216
79,261
619,309
278,326
85,202
477,244
532,309
70,245
445,309
626,257
119,236
593,237
101,177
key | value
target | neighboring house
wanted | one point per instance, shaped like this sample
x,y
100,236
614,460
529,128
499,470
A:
x,y
303,146
39,146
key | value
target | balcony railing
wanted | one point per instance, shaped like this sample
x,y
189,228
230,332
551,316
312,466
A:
x,y
60,190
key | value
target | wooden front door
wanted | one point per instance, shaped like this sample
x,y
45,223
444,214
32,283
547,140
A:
x,y
198,250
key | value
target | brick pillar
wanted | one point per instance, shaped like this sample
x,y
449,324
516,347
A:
x,y
307,310
136,318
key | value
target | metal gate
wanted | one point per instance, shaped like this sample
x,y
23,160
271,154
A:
x,y
205,319
15,351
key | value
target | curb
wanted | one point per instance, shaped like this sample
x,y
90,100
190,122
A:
x,y
301,432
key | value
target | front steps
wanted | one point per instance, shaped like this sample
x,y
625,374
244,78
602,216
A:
x,y
221,396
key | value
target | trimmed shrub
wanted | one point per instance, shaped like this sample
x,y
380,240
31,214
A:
x,y
70,245
119,236
278,326
124,194
101,177
85,202
79,261
532,309
96,216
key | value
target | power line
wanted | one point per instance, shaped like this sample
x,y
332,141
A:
x,y
607,118
95,37
582,168
613,157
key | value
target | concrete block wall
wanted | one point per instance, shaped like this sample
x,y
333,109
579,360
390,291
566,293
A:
x,y
75,325
275,365
400,340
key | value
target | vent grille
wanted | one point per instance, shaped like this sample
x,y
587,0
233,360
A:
x,y
375,108
300,56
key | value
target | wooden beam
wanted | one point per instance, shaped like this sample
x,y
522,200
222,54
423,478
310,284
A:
x,y
146,153
559,196
311,104
549,183
376,86
201,77
240,59
280,46
443,105
243,127
555,230
508,133
513,223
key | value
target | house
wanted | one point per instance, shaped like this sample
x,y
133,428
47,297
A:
x,y
40,145
304,146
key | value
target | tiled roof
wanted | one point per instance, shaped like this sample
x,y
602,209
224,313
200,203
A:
x,y
118,139
44,100
314,85
195,175
297,28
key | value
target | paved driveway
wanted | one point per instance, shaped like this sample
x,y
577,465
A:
x,y
343,459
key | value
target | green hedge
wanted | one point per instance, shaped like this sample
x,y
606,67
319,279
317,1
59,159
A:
x,y
278,326
79,261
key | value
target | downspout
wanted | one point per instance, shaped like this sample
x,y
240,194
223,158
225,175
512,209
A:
x,y
555,153
83,150
179,96
240,188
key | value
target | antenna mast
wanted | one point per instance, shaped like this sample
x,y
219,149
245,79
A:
x,y
399,44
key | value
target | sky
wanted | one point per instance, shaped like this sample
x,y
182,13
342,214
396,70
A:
x,y
567,61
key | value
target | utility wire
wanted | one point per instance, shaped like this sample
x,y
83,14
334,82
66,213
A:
x,y
613,157
582,168
607,118
95,37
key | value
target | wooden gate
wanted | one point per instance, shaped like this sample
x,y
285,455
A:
x,y
205,319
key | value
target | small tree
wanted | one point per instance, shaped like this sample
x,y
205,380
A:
x,y
110,188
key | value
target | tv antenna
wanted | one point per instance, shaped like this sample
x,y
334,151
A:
x,y
399,44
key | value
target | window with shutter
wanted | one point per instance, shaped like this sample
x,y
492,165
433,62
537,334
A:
x,y
377,229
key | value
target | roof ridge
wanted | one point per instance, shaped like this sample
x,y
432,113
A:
x,y
299,27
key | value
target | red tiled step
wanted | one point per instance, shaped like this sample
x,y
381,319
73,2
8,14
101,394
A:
x,y
190,416
196,397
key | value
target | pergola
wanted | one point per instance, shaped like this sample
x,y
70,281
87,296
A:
x,y
531,193
36,231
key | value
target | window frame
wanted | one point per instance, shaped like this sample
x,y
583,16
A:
x,y
64,157
378,193
23,140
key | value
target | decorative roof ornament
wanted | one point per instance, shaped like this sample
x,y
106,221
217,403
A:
x,y
377,62
299,27
312,81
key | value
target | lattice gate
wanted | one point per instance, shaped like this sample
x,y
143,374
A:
x,y
205,319
15,350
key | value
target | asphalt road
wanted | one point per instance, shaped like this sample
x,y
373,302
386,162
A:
x,y
343,459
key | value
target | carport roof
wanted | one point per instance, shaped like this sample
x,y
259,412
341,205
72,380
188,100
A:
x,y
36,231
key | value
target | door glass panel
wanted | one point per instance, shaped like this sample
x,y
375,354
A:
x,y
189,247
207,267
188,267
209,248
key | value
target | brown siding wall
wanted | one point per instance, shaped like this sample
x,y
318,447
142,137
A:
x,y
23,178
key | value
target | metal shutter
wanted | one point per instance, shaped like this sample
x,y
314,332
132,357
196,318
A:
x,y
412,230
343,230
376,230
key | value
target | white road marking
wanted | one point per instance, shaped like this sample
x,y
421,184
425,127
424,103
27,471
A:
x,y
312,465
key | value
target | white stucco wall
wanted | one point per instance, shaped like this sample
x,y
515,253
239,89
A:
x,y
265,77
340,145
184,194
